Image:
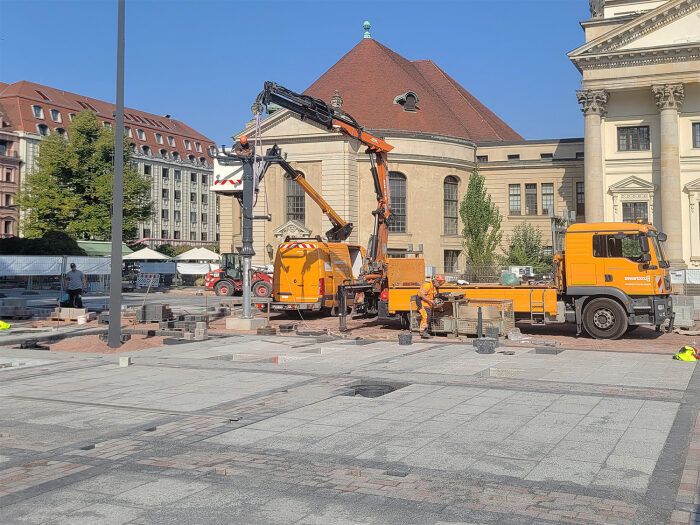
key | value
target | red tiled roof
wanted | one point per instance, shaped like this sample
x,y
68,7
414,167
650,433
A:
x,y
19,97
371,75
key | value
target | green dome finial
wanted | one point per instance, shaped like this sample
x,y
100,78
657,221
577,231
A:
x,y
366,25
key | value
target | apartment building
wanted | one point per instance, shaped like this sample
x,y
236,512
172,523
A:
x,y
176,158
10,164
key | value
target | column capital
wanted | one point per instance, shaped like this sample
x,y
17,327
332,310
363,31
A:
x,y
593,101
668,96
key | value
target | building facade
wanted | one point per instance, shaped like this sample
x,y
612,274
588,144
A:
x,y
176,158
641,105
440,133
10,165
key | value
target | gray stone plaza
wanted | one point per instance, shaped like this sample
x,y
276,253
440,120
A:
x,y
250,429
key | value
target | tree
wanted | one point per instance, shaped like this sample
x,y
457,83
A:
x,y
52,242
71,190
524,247
482,223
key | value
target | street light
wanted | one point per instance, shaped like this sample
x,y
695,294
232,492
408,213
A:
x,y
270,250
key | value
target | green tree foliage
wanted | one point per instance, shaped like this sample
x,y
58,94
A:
x,y
71,189
482,223
524,247
51,242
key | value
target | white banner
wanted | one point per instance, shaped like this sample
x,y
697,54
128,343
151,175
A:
x,y
185,268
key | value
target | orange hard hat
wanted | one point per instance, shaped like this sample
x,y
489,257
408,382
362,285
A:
x,y
440,277
244,140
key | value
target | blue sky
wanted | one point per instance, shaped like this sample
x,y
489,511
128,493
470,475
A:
x,y
204,61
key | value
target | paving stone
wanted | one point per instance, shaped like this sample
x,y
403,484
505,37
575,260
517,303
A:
x,y
560,469
161,492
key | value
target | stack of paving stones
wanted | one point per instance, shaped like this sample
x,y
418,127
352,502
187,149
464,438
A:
x,y
154,313
14,308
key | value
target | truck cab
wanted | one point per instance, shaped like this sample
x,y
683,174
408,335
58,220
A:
x,y
615,276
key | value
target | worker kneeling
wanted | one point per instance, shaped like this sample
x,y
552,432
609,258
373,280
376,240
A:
x,y
426,303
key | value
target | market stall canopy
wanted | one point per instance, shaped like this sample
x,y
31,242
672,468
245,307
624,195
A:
x,y
198,254
101,248
146,254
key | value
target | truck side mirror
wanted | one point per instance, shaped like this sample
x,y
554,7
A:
x,y
646,257
662,237
645,244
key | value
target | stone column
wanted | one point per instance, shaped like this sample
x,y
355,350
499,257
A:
x,y
669,98
594,107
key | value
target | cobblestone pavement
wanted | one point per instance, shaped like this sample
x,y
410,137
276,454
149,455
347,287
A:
x,y
250,429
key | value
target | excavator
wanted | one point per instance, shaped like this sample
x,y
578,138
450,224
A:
x,y
371,284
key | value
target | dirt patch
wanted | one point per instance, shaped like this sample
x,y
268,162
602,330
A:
x,y
92,344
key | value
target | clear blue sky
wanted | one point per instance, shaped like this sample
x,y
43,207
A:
x,y
204,61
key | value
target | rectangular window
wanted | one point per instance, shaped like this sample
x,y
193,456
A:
x,y
204,199
193,217
451,261
451,204
580,200
397,187
633,138
547,198
482,158
546,156
513,158
193,236
205,218
176,215
198,147
141,134
696,135
165,193
204,178
633,211
176,175
628,246
193,198
127,131
193,178
56,115
146,232
166,173
164,234
188,145
8,174
579,155
204,236
177,195
38,111
8,200
159,138
514,199
71,116
146,169
530,199
171,141
164,215
176,234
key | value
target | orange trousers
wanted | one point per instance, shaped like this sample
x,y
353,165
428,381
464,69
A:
x,y
426,316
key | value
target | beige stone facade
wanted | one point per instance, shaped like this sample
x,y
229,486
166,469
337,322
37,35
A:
x,y
641,106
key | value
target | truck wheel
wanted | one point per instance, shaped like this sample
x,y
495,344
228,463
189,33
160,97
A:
x,y
224,288
262,289
604,319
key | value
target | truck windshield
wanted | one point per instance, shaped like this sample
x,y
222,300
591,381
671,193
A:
x,y
659,249
627,245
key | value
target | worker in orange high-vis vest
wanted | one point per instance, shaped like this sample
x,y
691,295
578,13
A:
x,y
425,302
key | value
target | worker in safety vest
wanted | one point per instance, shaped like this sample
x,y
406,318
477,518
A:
x,y
243,148
425,301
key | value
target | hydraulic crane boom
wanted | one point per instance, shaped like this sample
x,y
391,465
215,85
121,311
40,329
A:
x,y
319,112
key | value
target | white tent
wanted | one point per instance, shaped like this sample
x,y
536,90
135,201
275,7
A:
x,y
198,254
146,254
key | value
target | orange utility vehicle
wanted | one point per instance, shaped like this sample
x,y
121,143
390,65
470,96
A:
x,y
308,272
608,278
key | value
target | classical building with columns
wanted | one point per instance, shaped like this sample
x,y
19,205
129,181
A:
x,y
440,133
641,107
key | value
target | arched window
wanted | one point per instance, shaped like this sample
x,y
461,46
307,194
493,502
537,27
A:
x,y
43,129
397,187
451,205
296,207
176,155
146,150
164,153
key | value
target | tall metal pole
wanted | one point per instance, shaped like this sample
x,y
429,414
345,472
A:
x,y
247,250
115,285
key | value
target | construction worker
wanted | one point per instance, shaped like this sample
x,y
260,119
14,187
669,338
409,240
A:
x,y
426,302
243,148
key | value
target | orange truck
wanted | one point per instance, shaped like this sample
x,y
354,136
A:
x,y
608,279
